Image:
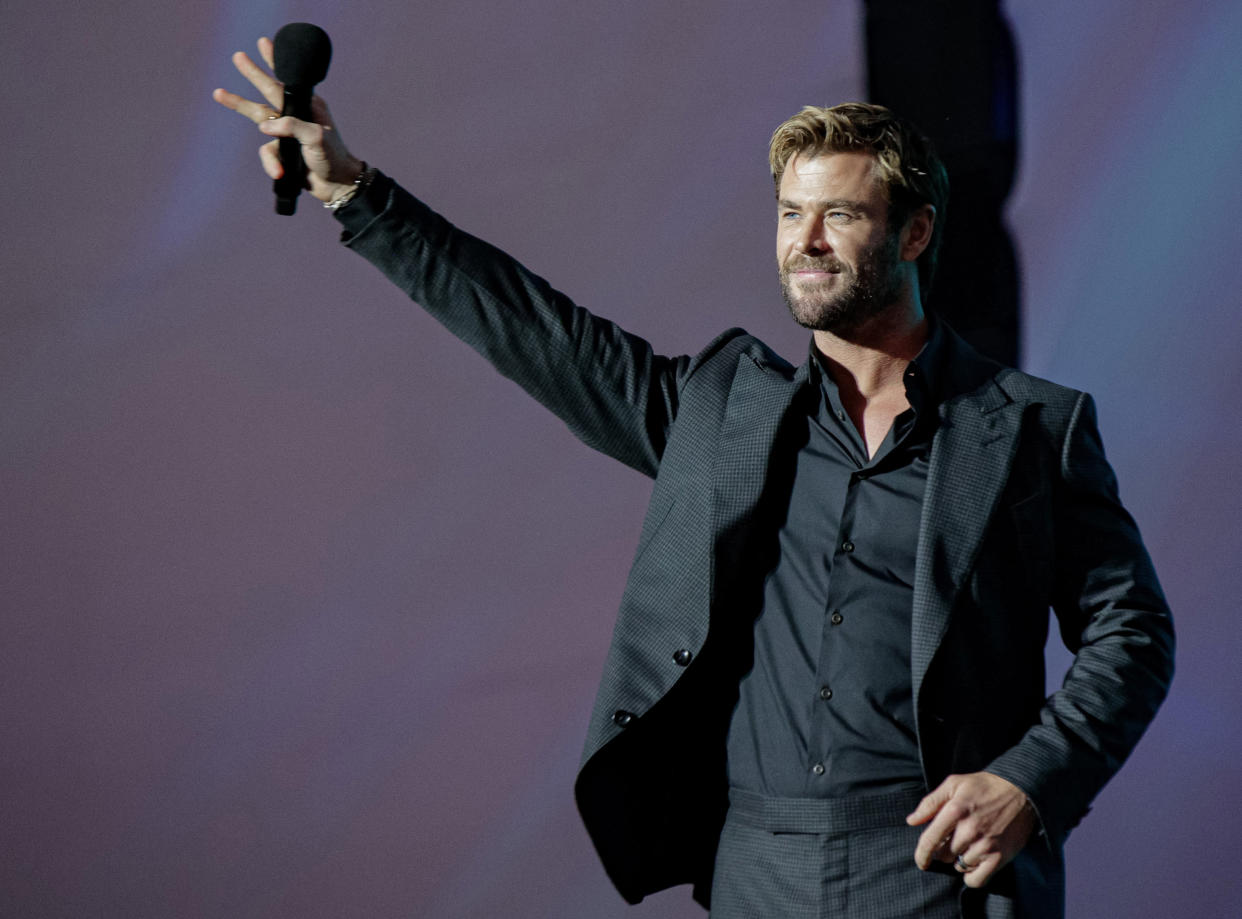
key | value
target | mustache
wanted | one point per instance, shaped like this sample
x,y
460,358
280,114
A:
x,y
814,264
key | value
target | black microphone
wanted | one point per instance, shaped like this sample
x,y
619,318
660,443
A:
x,y
301,53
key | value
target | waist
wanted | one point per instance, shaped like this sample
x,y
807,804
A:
x,y
825,815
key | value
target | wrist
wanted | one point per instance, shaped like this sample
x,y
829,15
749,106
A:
x,y
342,193
349,175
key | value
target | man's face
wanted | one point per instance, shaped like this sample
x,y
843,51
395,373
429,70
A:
x,y
839,264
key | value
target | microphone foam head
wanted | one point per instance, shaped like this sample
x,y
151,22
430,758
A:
x,y
301,53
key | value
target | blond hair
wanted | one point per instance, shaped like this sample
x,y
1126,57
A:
x,y
905,161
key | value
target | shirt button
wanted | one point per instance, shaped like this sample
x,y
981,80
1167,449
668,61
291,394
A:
x,y
818,768
622,718
825,693
840,415
847,546
836,618
683,656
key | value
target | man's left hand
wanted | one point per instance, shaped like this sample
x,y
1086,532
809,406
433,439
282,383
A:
x,y
979,822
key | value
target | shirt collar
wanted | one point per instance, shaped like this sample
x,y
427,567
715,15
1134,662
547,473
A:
x,y
923,377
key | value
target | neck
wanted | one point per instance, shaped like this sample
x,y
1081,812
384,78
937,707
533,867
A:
x,y
871,358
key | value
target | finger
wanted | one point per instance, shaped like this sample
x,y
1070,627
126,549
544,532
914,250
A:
x,y
934,841
980,872
271,88
967,839
943,851
255,111
269,156
307,133
931,803
973,855
266,52
968,853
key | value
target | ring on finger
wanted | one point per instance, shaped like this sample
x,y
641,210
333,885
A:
x,y
962,865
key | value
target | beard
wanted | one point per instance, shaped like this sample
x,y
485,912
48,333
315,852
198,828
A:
x,y
867,291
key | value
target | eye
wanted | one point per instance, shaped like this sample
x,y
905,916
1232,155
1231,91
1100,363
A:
x,y
840,216
789,215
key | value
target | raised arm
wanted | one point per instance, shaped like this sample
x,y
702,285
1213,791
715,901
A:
x,y
612,390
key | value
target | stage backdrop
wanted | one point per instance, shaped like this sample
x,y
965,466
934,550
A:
x,y
303,606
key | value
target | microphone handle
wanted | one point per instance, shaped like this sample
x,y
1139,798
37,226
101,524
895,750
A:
x,y
290,185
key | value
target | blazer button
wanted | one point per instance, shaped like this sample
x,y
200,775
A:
x,y
621,718
683,656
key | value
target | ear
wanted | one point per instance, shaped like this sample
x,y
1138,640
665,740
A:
x,y
917,233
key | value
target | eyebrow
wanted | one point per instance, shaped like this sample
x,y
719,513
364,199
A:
x,y
830,204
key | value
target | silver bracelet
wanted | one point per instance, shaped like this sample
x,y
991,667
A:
x,y
361,183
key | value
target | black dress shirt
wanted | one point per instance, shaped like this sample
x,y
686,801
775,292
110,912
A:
x,y
827,708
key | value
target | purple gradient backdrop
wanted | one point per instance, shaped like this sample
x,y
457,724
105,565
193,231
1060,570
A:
x,y
304,606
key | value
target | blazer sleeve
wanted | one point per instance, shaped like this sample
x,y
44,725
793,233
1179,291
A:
x,y
609,386
1115,619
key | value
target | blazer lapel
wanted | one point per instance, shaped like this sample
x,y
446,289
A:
x,y
972,453
759,400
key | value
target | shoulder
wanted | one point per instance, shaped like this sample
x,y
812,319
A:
x,y
973,377
735,343
1056,408
1027,388
721,356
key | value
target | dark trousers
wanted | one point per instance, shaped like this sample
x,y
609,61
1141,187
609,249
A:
x,y
852,858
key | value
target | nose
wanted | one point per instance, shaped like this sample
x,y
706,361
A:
x,y
811,238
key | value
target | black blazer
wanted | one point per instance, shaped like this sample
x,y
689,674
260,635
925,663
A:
x,y
1020,514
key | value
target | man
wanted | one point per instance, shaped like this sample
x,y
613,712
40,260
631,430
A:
x,y
825,691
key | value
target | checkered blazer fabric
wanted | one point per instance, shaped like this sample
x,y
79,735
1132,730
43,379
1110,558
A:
x,y
1021,514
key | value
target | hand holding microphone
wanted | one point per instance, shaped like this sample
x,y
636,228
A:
x,y
330,169
300,56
